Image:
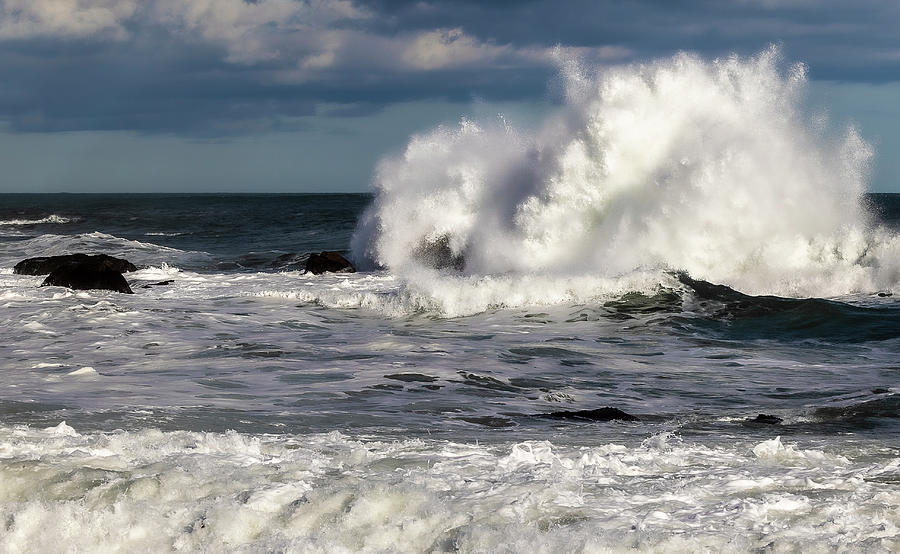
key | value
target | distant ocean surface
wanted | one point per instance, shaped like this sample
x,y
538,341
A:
x,y
678,246
247,406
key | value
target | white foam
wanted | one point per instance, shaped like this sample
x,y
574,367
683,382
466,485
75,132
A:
x,y
681,164
85,371
52,218
154,491
62,429
774,451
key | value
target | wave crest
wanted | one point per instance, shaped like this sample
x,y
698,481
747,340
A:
x,y
52,218
682,164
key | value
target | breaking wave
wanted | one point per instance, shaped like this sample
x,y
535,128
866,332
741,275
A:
x,y
140,253
712,168
158,491
52,218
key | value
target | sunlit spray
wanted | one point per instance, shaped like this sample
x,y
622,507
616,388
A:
x,y
709,167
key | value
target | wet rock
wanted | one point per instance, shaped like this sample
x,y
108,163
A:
x,y
159,284
484,382
599,414
411,377
766,419
387,386
438,255
288,262
45,265
328,262
264,260
87,276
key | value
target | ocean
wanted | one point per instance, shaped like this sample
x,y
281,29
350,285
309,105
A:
x,y
248,406
737,302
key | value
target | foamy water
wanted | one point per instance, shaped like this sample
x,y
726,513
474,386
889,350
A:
x,y
52,218
188,491
436,404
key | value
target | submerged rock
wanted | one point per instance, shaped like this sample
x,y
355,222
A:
x,y
328,262
87,276
599,414
45,265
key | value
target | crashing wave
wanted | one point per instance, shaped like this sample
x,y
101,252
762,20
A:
x,y
708,167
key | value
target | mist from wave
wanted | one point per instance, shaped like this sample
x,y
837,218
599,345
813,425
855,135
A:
x,y
712,168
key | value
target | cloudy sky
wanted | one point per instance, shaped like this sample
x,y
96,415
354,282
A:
x,y
307,95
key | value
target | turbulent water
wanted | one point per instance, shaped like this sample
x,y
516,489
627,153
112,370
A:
x,y
680,241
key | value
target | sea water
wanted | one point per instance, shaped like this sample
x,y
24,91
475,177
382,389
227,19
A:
x,y
680,241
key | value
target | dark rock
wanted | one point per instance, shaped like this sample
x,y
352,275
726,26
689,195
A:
x,y
600,414
484,382
47,264
159,284
411,377
328,262
285,262
766,419
439,255
387,386
288,262
87,276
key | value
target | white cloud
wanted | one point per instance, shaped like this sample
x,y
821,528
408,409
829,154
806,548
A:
x,y
64,18
304,38
426,51
444,48
449,48
249,31
252,32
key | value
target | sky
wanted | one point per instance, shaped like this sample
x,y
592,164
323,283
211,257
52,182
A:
x,y
308,95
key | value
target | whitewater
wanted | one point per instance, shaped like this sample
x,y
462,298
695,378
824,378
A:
x,y
709,168
685,240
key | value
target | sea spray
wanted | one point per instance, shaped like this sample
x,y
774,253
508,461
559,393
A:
x,y
709,167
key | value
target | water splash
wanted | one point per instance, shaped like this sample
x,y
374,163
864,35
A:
x,y
683,164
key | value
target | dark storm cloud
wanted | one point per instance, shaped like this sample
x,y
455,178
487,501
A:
x,y
221,67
